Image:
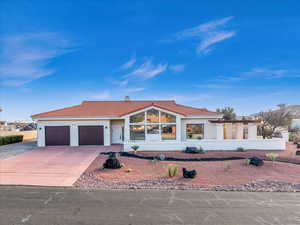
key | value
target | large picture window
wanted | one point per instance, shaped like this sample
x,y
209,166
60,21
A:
x,y
152,125
195,131
137,132
168,132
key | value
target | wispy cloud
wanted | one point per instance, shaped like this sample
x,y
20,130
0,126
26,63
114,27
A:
x,y
177,68
261,73
133,90
130,63
103,95
25,57
208,34
147,70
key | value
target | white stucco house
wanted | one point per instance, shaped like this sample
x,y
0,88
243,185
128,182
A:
x,y
153,125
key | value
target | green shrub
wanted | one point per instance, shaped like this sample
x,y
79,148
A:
x,y
201,150
172,170
5,140
135,148
240,149
272,156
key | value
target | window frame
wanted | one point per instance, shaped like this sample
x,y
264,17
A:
x,y
145,123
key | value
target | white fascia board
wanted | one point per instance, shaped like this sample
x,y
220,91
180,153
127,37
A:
x,y
204,117
76,118
151,107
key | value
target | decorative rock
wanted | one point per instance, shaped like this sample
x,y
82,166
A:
x,y
112,162
191,150
256,161
297,152
189,174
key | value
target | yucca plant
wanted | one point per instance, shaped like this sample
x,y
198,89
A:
x,y
135,148
272,156
172,170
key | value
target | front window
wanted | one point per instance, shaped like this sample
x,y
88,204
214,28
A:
x,y
168,132
152,116
195,131
137,132
152,125
167,118
153,129
138,118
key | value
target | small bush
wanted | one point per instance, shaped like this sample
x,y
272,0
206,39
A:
x,y
194,150
272,156
135,148
5,140
240,149
201,150
227,166
172,170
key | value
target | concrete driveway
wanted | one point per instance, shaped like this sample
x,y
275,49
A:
x,y
49,166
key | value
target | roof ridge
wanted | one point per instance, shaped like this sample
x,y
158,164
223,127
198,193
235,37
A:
x,y
129,101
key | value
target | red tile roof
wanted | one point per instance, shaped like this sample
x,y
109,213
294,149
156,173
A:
x,y
121,108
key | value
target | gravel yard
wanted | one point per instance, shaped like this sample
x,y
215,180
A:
x,y
221,175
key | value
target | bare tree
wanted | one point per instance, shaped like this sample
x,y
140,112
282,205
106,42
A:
x,y
270,120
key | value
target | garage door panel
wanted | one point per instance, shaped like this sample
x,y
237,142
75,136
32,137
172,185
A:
x,y
57,135
90,135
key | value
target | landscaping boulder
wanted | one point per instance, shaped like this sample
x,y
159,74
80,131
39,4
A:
x,y
297,152
112,162
256,161
189,174
191,150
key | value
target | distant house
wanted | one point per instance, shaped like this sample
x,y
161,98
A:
x,y
153,125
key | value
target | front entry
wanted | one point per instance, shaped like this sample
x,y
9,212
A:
x,y
90,135
117,133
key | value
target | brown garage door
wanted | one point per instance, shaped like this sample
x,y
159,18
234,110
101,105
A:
x,y
57,135
90,135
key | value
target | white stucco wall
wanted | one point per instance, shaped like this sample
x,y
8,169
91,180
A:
x,y
258,144
73,129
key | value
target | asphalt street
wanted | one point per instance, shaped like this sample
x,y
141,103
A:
x,y
70,206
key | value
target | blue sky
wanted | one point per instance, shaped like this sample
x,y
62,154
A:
x,y
243,54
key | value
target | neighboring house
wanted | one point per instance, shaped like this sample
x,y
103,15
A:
x,y
153,125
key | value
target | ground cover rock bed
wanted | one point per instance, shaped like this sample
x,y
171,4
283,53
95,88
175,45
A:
x,y
211,175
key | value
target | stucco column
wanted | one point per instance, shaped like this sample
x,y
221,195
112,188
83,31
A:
x,y
126,130
252,131
74,135
239,130
178,128
220,131
41,136
228,130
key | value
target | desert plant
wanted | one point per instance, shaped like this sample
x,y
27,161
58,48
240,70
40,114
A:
x,y
272,156
135,148
240,149
172,170
201,150
162,157
247,162
227,166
